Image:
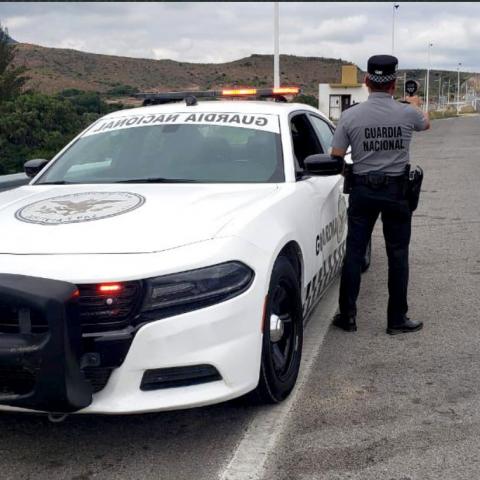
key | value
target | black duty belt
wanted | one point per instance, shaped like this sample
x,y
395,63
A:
x,y
377,179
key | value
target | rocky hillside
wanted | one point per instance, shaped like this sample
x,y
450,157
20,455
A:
x,y
53,69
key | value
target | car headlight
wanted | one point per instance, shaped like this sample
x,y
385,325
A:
x,y
182,292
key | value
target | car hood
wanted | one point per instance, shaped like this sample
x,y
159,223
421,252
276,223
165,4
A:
x,y
83,219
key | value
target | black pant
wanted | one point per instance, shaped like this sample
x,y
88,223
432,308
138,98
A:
x,y
365,204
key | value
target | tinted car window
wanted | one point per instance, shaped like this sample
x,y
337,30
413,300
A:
x,y
304,140
323,131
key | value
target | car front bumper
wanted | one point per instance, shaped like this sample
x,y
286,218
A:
x,y
226,336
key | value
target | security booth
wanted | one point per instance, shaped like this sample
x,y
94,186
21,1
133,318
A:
x,y
334,98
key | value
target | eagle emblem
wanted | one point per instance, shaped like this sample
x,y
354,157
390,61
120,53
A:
x,y
79,207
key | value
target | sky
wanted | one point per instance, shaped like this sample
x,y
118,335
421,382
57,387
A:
x,y
223,31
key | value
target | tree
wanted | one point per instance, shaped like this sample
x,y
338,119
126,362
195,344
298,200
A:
x,y
34,125
12,79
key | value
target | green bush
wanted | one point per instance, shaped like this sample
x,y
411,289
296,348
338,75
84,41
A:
x,y
442,114
35,125
467,109
306,99
123,90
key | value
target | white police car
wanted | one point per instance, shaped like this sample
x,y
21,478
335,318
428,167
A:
x,y
168,257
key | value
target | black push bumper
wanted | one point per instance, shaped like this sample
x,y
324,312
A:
x,y
51,358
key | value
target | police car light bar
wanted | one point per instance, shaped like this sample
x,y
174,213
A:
x,y
286,91
239,92
159,98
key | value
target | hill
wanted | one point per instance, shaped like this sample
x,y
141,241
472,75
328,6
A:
x,y
53,69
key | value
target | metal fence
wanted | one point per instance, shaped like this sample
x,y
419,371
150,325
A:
x,y
7,182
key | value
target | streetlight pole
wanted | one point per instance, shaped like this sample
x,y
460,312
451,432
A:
x,y
394,9
458,86
428,76
439,91
276,42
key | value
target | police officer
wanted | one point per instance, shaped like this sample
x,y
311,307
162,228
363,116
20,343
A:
x,y
379,132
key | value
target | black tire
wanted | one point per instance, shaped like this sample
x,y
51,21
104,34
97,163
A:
x,y
368,257
281,352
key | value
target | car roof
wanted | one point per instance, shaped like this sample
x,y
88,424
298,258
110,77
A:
x,y
227,106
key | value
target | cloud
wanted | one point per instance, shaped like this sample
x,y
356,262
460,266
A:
x,y
217,32
19,22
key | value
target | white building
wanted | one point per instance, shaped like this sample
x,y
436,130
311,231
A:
x,y
334,98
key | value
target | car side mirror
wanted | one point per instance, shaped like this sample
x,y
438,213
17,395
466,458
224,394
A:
x,y
323,164
32,167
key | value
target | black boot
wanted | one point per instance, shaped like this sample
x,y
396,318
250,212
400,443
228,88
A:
x,y
404,325
348,324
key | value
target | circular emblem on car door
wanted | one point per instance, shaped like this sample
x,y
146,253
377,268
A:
x,y
79,207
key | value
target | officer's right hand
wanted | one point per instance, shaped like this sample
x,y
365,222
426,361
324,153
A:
x,y
415,101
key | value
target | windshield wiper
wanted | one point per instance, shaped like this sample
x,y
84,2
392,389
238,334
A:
x,y
58,182
156,180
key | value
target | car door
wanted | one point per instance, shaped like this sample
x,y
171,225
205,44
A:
x,y
324,131
321,198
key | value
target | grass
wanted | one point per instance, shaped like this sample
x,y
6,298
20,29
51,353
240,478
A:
x,y
443,114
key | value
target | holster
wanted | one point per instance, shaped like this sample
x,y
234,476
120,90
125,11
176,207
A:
x,y
348,178
414,185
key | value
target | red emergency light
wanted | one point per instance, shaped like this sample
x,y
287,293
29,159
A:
x,y
109,287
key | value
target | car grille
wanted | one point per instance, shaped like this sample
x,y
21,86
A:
x,y
15,381
99,312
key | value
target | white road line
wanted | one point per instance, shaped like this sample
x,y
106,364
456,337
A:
x,y
266,426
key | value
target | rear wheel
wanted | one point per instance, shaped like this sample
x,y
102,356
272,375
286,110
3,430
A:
x,y
282,335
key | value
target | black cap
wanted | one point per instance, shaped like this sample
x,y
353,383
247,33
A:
x,y
382,68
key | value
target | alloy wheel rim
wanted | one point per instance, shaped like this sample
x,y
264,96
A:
x,y
283,332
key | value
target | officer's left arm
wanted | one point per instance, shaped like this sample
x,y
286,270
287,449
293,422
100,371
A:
x,y
338,152
341,139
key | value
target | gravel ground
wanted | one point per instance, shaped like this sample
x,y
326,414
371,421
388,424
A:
x,y
406,407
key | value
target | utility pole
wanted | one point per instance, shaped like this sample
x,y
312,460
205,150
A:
x,y
458,86
404,82
439,90
425,93
276,44
394,9
448,92
428,76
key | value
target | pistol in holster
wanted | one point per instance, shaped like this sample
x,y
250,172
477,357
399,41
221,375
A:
x,y
413,186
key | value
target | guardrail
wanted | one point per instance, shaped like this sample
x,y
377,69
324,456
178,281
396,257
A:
x,y
7,182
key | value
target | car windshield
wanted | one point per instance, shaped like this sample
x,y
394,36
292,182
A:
x,y
174,152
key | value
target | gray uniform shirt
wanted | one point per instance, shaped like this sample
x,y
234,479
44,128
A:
x,y
379,132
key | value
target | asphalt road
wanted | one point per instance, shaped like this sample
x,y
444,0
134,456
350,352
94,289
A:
x,y
370,406
406,407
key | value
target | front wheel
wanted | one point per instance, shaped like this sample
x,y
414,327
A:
x,y
282,335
